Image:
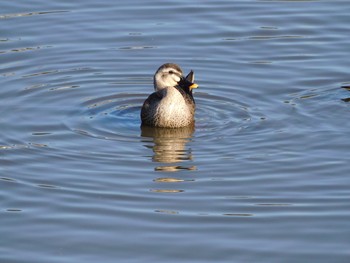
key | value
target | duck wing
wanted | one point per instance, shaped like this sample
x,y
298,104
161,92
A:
x,y
150,105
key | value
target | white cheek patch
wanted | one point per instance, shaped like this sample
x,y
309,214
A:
x,y
176,78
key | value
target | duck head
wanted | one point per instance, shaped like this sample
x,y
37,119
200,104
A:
x,y
170,75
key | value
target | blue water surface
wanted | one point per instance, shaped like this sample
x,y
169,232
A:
x,y
262,177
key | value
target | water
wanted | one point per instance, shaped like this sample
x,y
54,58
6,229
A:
x,y
263,177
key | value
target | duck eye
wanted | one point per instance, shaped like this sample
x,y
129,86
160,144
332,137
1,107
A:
x,y
171,72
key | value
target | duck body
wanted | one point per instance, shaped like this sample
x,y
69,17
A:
x,y
172,104
168,108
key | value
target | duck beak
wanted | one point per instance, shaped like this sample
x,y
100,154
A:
x,y
193,86
185,83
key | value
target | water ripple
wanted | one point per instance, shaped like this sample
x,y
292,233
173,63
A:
x,y
114,117
219,116
23,49
7,16
117,117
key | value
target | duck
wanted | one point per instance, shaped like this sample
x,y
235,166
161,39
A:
x,y
171,105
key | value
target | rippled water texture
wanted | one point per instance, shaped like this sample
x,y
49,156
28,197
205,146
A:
x,y
262,177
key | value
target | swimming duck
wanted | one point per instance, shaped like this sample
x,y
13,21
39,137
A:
x,y
172,104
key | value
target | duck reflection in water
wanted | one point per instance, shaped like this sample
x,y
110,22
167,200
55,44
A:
x,y
169,146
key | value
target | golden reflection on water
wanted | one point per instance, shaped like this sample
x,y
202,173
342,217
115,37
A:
x,y
169,147
168,180
174,168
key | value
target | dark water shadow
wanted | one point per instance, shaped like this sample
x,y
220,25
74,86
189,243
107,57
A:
x,y
347,99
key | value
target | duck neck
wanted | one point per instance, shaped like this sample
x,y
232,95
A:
x,y
186,92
